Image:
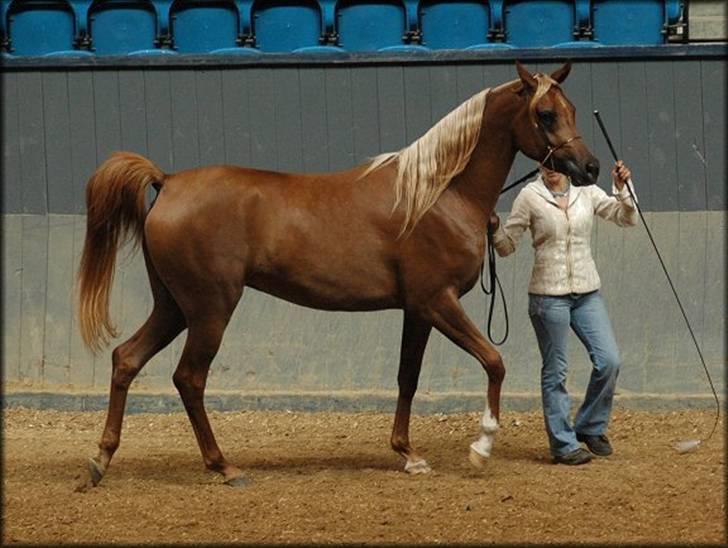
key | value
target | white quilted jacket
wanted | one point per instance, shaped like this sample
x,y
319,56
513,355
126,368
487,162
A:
x,y
563,262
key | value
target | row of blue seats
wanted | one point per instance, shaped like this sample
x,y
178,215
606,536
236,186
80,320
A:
x,y
158,27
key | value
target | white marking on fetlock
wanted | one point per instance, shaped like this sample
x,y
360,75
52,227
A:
x,y
488,424
480,450
419,466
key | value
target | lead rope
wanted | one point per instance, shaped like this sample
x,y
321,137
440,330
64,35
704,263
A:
x,y
494,280
493,276
688,445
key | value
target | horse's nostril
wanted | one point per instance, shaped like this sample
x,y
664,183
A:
x,y
592,168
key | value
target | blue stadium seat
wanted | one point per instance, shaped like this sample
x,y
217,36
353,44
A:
x,y
675,24
328,22
201,26
583,15
370,25
287,25
120,27
629,22
43,27
164,39
4,41
673,11
454,24
538,23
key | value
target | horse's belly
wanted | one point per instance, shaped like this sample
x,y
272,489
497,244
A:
x,y
349,292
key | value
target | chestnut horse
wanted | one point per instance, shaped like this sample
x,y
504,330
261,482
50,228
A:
x,y
405,230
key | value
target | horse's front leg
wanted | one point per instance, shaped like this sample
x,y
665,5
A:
x,y
414,339
447,315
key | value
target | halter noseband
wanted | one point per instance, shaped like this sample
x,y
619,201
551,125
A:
x,y
551,149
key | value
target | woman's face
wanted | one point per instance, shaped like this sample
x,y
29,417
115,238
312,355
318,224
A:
x,y
550,176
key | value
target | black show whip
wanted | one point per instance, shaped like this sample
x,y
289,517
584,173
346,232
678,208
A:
x,y
686,445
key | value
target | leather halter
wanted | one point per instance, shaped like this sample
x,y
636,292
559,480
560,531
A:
x,y
551,149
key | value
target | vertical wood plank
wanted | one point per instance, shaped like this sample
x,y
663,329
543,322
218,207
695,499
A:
x,y
262,117
690,281
82,361
59,300
691,172
12,201
132,98
33,297
469,81
208,84
288,127
34,189
12,263
236,117
82,135
364,105
605,80
661,328
713,80
418,112
661,136
185,130
390,91
58,142
339,118
634,127
315,155
714,314
157,90
106,113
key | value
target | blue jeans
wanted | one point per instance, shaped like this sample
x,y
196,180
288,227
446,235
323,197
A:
x,y
586,314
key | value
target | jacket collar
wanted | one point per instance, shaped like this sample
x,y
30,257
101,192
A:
x,y
542,190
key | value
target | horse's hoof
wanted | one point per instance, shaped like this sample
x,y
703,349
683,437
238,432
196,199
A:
x,y
417,467
239,481
95,471
476,459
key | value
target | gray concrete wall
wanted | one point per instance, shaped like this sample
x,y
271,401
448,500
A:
x,y
666,117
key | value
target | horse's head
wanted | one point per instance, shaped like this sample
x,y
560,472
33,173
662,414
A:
x,y
545,127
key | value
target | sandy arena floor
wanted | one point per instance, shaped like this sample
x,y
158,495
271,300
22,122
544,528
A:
x,y
331,478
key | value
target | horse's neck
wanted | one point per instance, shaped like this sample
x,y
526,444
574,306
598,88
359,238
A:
x,y
482,179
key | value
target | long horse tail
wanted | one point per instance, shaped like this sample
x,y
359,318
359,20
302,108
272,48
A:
x,y
116,212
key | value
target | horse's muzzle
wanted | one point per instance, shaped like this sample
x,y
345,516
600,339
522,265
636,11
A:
x,y
583,176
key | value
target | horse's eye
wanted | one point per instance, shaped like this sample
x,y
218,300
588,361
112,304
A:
x,y
547,118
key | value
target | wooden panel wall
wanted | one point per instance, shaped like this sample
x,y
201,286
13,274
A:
x,y
666,117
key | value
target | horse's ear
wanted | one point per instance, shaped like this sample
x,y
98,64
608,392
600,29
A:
x,y
526,77
560,74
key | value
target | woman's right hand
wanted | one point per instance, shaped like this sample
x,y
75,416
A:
x,y
494,222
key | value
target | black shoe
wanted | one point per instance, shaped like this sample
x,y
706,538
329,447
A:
x,y
578,456
599,445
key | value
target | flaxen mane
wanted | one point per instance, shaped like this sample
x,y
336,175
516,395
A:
x,y
427,166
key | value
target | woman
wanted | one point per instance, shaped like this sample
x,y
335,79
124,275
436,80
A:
x,y
563,294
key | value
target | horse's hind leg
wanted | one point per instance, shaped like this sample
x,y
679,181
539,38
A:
x,y
414,339
163,325
207,319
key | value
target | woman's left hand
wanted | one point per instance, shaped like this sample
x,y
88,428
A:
x,y
620,174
